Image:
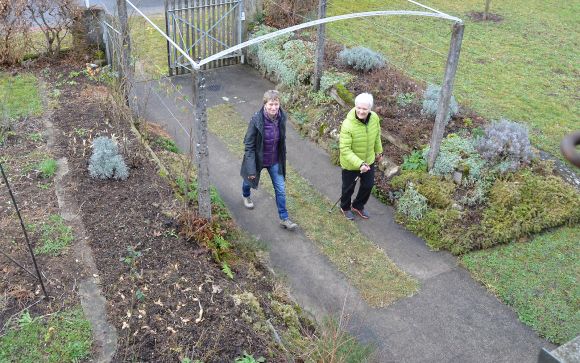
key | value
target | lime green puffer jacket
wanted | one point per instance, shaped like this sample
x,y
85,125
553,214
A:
x,y
359,142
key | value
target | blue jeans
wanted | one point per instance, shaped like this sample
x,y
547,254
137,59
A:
x,y
279,190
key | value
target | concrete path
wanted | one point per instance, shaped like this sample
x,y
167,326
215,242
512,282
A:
x,y
451,319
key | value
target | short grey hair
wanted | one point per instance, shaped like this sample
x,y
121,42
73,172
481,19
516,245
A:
x,y
271,95
365,98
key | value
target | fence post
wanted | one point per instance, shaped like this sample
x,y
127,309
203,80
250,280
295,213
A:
x,y
125,70
446,91
320,40
201,149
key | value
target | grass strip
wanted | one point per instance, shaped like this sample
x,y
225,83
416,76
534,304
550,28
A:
x,y
379,281
19,96
62,337
538,279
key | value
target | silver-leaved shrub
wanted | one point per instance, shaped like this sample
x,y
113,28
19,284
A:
x,y
361,59
431,102
106,162
506,145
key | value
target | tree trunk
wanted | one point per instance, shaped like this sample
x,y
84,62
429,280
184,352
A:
x,y
486,11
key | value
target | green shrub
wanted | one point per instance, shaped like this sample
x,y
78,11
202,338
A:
x,y
361,59
166,144
438,191
527,204
405,99
414,161
332,78
47,168
412,204
431,102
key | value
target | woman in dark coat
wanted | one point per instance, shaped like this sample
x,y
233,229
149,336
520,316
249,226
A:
x,y
265,148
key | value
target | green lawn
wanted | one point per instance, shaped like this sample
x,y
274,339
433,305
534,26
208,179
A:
x,y
524,68
19,95
539,279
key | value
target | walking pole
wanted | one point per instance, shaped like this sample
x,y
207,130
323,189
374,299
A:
x,y
339,198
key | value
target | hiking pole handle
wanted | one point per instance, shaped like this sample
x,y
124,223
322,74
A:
x,y
339,198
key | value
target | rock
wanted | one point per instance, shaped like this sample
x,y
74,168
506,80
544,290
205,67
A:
x,y
388,167
457,176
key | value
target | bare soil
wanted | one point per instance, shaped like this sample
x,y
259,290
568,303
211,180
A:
x,y
166,296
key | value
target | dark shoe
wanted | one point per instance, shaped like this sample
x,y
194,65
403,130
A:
x,y
361,212
288,224
348,214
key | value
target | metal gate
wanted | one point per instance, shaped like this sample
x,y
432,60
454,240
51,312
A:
x,y
202,28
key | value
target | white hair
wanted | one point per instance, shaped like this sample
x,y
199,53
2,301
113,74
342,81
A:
x,y
365,98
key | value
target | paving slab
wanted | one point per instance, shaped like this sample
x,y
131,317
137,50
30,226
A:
x,y
452,318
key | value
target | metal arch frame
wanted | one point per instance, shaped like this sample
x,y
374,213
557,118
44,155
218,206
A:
x,y
331,19
197,65
202,34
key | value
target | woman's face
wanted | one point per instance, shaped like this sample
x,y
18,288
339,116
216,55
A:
x,y
272,107
362,110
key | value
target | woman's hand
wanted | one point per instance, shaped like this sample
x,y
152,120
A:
x,y
364,168
251,177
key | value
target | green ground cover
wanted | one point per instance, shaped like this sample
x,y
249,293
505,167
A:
x,y
19,95
379,281
61,337
524,68
538,279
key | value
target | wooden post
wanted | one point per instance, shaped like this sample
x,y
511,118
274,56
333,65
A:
x,y
125,45
201,149
320,40
446,91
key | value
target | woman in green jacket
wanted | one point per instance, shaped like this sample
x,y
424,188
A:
x,y
360,146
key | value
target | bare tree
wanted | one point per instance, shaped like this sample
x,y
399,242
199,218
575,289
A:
x,y
14,30
55,18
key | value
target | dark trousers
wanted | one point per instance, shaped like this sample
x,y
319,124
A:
x,y
366,181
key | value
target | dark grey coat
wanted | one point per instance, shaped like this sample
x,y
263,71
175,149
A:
x,y
254,148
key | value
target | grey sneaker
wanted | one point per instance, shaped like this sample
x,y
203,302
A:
x,y
348,214
288,224
248,202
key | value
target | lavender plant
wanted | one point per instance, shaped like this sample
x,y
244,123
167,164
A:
x,y
506,145
412,204
361,59
431,101
106,162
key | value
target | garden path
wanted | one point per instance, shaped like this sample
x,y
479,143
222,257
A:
x,y
451,317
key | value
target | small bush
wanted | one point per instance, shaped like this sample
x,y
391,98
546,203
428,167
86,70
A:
x,y
505,144
361,59
332,78
405,99
414,161
457,153
431,101
47,168
438,192
106,162
412,204
166,144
